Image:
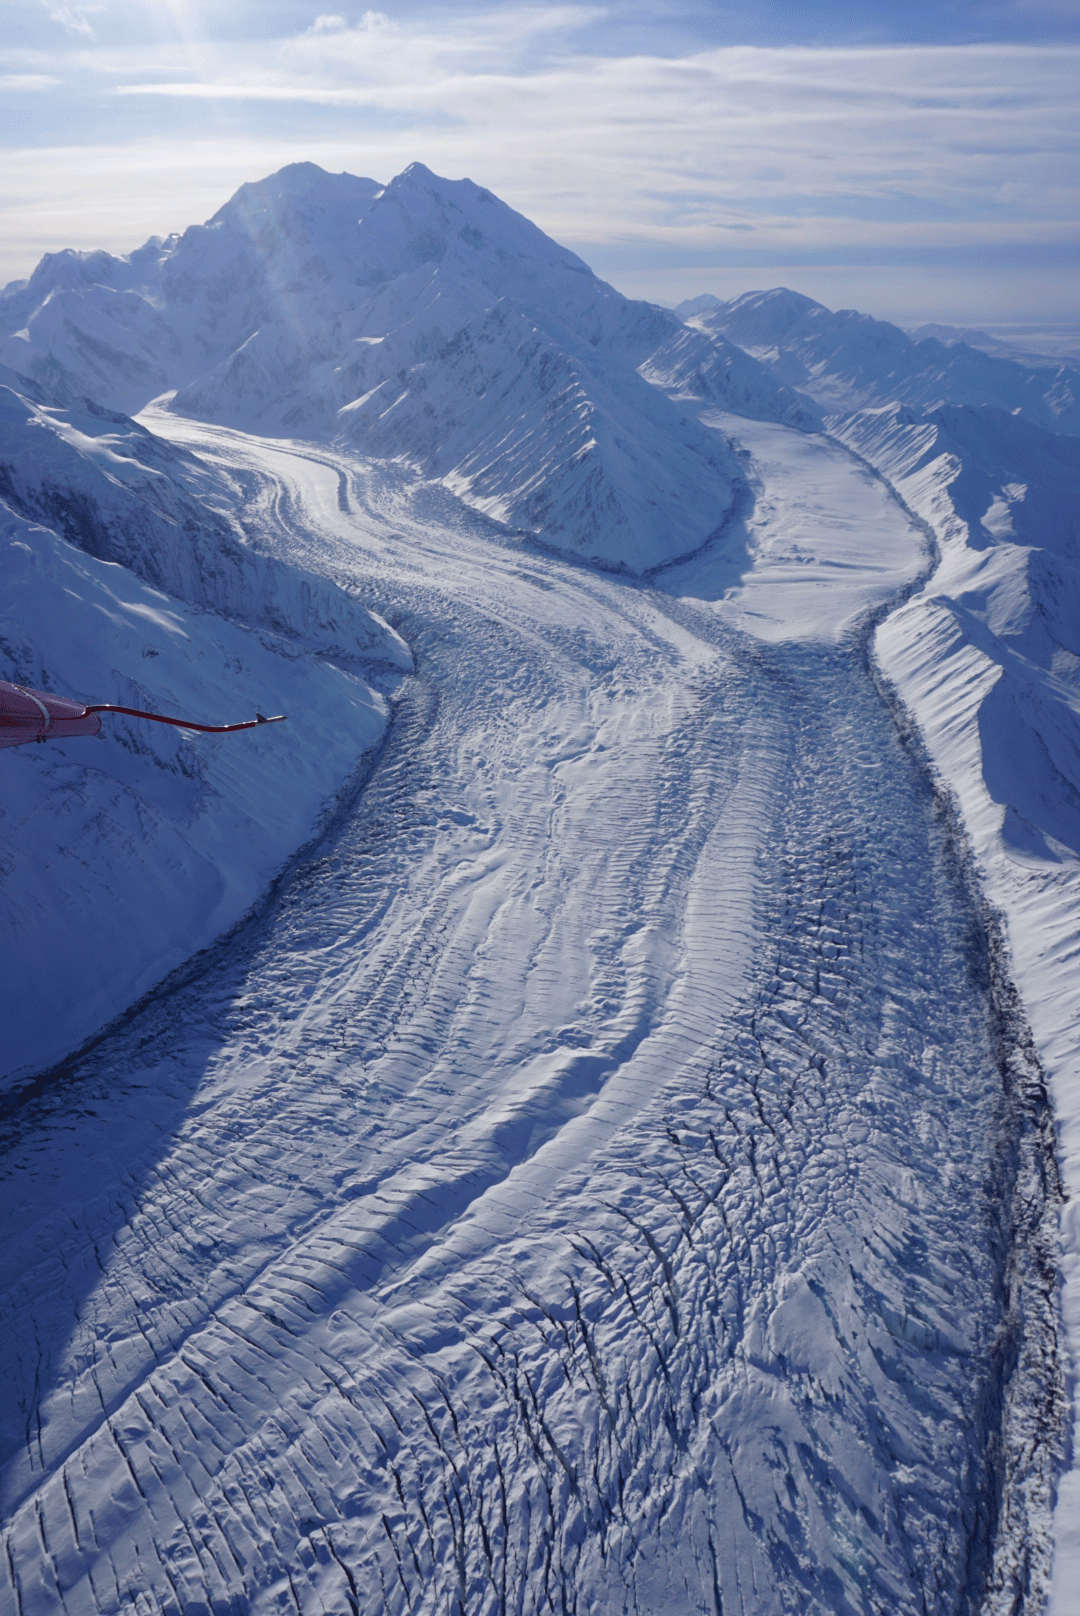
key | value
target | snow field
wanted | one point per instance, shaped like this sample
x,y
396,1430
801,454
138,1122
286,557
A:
x,y
582,1187
823,543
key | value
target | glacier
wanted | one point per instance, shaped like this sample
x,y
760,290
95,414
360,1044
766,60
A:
x,y
580,1117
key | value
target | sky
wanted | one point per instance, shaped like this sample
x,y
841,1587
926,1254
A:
x,y
920,161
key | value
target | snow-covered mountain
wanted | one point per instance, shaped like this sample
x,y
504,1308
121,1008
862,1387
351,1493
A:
x,y
126,578
849,360
1033,347
424,320
112,488
1004,499
611,1168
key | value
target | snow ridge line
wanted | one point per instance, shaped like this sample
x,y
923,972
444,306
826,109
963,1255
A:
x,y
1026,1418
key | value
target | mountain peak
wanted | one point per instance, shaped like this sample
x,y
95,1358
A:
x,y
777,308
420,218
305,186
420,174
779,299
847,359
424,320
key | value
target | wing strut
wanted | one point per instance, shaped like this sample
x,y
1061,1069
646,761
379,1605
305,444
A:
x,y
37,715
186,723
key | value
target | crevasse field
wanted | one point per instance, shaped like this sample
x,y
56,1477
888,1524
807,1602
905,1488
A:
x,y
582,1117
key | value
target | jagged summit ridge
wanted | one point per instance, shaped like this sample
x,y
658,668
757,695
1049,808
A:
x,y
847,359
426,320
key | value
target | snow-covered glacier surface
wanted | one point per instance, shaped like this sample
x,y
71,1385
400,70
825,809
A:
x,y
590,1153
587,1184
983,664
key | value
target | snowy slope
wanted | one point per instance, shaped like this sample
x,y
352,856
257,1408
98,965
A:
x,y
987,659
849,360
122,494
125,853
126,579
702,366
423,320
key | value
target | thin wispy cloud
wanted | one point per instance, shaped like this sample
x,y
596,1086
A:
x,y
74,19
933,141
13,83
